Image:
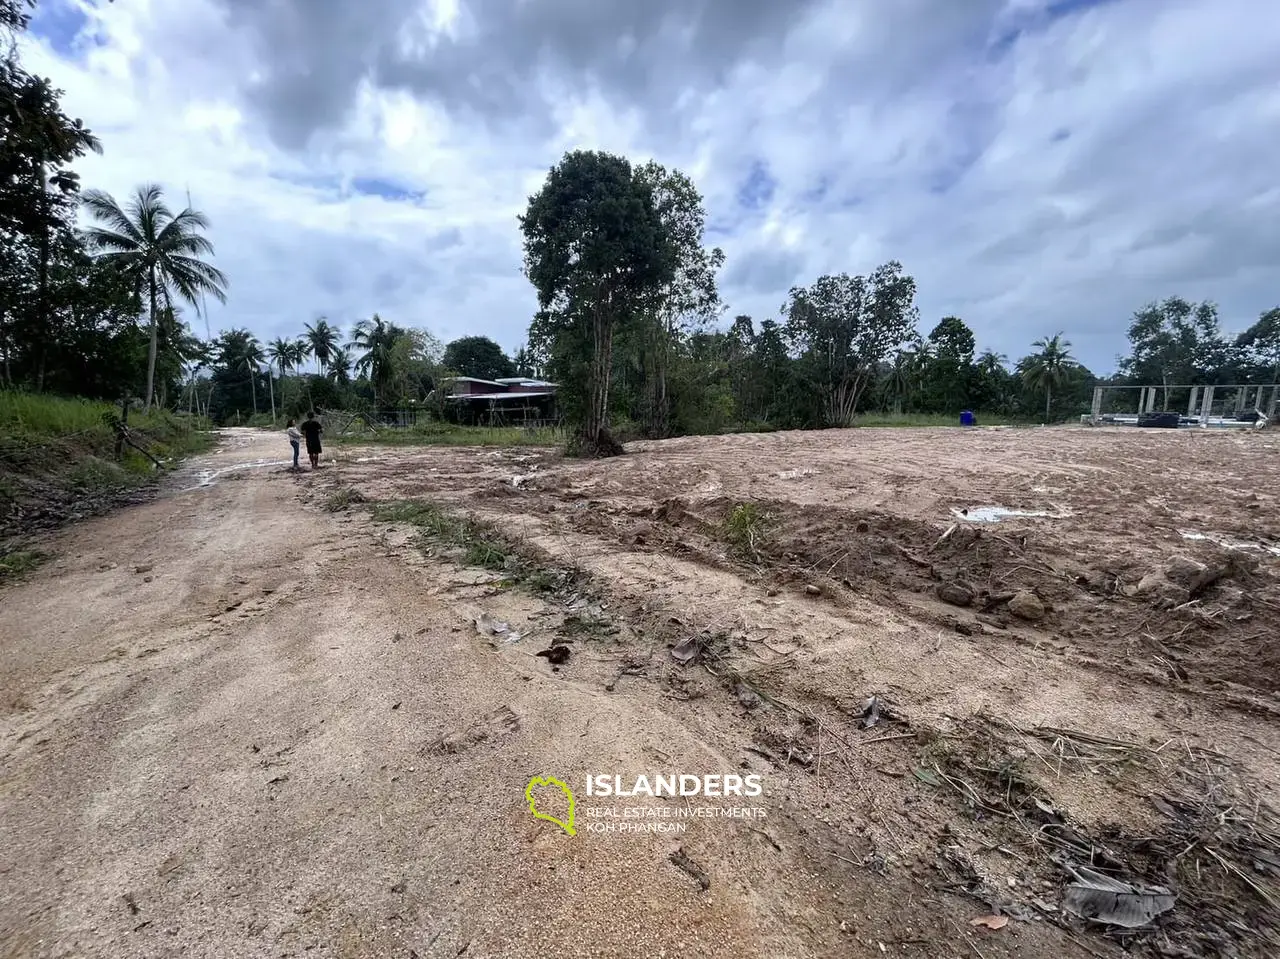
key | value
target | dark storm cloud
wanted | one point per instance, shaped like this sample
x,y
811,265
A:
x,y
506,58
314,54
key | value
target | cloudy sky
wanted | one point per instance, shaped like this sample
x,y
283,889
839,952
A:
x,y
1037,165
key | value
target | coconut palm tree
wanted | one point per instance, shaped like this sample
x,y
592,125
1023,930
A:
x,y
376,340
1048,368
322,339
280,353
340,366
251,358
161,251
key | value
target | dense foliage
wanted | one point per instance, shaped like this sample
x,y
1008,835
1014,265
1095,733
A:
x,y
630,322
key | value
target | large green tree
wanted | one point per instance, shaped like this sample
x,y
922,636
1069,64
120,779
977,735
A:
x,y
480,357
162,252
846,326
1262,342
597,253
684,304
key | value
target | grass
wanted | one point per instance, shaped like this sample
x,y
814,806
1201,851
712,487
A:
x,y
343,499
745,529
479,544
17,563
449,434
54,446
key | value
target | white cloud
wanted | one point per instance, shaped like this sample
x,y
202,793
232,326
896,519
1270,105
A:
x,y
1056,179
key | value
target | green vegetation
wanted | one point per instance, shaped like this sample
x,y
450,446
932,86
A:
x,y
17,563
745,530
630,323
436,433
343,499
479,543
51,446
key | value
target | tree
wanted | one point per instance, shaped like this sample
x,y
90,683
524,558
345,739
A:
x,y
1049,368
689,299
480,357
321,340
397,360
952,363
162,252
596,253
1262,340
237,356
340,367
846,326
37,140
280,352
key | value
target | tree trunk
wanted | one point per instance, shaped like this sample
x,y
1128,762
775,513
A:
x,y
596,438
42,305
1048,400
253,392
271,382
151,351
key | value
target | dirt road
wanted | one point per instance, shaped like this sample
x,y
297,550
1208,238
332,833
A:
x,y
235,724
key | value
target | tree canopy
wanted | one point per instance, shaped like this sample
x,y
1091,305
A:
x,y
480,357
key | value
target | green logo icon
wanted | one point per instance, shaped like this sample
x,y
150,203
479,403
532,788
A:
x,y
550,781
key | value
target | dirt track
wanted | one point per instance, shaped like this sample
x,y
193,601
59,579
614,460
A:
x,y
286,736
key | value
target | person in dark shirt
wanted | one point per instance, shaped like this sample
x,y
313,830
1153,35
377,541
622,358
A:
x,y
312,429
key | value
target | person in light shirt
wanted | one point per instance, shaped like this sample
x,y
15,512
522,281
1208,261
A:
x,y
295,438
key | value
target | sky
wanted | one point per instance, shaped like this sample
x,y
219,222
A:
x,y
1037,165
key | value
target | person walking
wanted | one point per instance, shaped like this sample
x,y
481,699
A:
x,y
295,438
312,429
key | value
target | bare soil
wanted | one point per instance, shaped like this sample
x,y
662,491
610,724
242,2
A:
x,y
249,719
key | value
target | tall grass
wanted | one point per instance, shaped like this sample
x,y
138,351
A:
x,y
55,446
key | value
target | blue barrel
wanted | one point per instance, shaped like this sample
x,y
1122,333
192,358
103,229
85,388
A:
x,y
966,418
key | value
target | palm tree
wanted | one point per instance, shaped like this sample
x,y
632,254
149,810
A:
x,y
280,352
376,339
1048,368
251,358
340,366
322,339
162,252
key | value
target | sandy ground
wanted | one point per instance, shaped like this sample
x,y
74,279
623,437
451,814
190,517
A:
x,y
233,723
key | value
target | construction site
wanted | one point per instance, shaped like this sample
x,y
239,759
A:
x,y
1003,692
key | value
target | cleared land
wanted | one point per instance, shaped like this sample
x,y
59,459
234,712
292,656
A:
x,y
257,717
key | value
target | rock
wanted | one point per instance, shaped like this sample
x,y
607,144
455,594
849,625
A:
x,y
1151,583
746,696
1027,605
147,579
957,594
813,590
143,569
1183,569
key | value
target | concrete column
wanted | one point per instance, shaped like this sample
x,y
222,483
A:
x,y
1097,404
1191,406
1207,410
1271,406
1142,400
1151,400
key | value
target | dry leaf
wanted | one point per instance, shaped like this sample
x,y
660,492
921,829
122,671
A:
x,y
991,922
